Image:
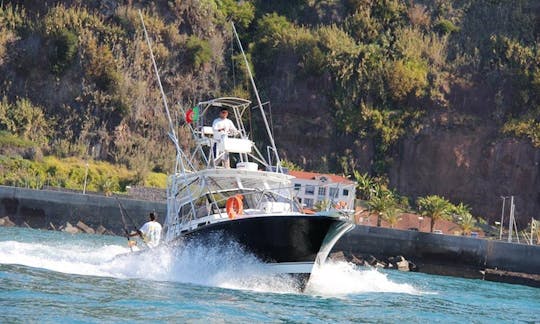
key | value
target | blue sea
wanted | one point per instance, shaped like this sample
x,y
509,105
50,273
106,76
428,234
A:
x,y
48,276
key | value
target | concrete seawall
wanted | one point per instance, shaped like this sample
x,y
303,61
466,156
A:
x,y
444,254
432,253
38,208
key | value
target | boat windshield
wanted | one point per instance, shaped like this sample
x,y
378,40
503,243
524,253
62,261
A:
x,y
256,201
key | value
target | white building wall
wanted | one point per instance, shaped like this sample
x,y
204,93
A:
x,y
310,199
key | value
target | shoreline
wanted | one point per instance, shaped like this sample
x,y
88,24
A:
x,y
447,255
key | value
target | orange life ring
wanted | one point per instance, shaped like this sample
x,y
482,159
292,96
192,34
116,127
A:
x,y
235,206
341,205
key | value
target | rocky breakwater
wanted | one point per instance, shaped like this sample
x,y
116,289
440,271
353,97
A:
x,y
443,254
394,263
74,212
79,227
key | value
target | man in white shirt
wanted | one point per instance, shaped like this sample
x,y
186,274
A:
x,y
150,232
222,127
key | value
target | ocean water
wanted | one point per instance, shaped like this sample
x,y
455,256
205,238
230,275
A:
x,y
50,276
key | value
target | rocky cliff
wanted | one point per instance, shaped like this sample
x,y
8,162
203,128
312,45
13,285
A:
x,y
440,96
472,165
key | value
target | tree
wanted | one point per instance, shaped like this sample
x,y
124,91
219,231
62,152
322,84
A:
x,y
291,166
462,215
381,205
467,223
434,207
364,185
321,205
392,214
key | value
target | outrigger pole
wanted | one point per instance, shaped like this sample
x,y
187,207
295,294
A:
x,y
272,142
179,153
172,133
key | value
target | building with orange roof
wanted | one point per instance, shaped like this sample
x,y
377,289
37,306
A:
x,y
312,188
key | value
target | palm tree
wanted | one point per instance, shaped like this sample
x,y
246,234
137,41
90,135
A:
x,y
460,210
467,223
321,205
364,185
536,230
463,216
380,204
434,207
392,214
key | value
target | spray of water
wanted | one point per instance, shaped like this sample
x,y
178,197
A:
x,y
342,278
211,265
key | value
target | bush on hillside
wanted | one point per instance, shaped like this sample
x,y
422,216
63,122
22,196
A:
x,y
63,50
198,51
445,26
407,78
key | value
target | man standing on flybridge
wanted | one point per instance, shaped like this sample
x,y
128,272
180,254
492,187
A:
x,y
150,232
222,126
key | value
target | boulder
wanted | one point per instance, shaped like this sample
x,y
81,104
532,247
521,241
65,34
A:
x,y
6,222
68,228
85,228
338,256
101,230
356,260
371,260
402,264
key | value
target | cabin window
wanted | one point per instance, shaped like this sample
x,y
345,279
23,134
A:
x,y
310,190
345,192
322,191
297,186
333,192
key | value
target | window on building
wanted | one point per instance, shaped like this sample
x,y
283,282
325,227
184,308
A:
x,y
333,192
308,202
310,190
322,191
297,186
345,192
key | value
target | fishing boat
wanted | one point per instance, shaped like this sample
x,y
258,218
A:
x,y
224,189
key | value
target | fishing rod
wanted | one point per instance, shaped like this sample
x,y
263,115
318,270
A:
x,y
125,225
124,213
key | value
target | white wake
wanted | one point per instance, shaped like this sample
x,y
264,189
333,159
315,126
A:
x,y
219,266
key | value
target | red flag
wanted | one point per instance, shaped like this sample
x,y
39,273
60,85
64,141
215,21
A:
x,y
189,116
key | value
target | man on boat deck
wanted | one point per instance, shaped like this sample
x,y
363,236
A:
x,y
150,232
222,127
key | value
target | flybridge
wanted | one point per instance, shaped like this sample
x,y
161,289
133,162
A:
x,y
210,146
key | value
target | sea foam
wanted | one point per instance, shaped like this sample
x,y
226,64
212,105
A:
x,y
225,266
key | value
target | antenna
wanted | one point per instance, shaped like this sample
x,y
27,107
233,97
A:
x,y
272,142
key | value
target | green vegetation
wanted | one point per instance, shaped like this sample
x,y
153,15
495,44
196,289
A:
x,y
64,46
24,120
388,205
435,207
69,173
77,82
199,51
